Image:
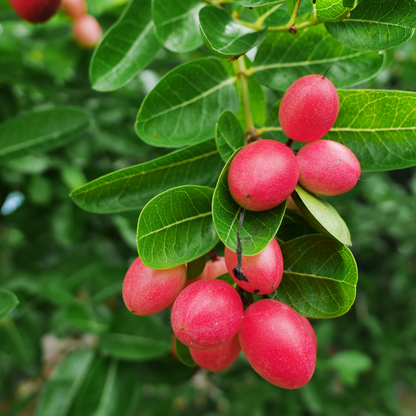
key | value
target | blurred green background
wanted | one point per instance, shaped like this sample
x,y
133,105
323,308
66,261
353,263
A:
x,y
66,265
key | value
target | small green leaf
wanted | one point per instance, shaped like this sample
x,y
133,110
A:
x,y
176,24
195,267
226,277
293,226
183,353
259,227
39,131
376,25
111,388
127,48
185,105
229,135
224,36
176,227
65,383
331,10
132,188
282,58
136,338
320,277
259,3
8,301
322,215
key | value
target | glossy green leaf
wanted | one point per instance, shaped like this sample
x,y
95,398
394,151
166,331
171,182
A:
x,y
320,277
226,277
322,215
132,188
379,127
39,131
65,384
111,388
259,227
259,3
176,24
183,353
282,58
8,301
293,226
195,267
127,48
351,3
223,35
136,338
331,10
176,227
376,25
185,105
229,135
272,129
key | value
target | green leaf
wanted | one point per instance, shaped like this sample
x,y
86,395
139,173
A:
x,y
259,227
176,24
223,35
39,131
136,338
8,301
379,127
195,267
65,384
229,135
331,10
322,215
226,277
319,278
376,25
111,388
127,48
176,227
351,3
185,105
183,354
259,3
132,188
293,226
282,58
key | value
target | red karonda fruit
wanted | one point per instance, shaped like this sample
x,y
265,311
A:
x,y
74,8
147,291
207,314
265,170
309,108
213,268
35,11
87,31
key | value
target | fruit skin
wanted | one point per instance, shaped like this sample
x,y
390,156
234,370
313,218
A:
x,y
264,270
309,108
213,269
74,8
217,359
310,329
87,31
35,11
147,291
327,168
206,314
267,171
278,344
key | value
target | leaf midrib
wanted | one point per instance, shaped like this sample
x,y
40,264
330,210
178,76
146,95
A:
x,y
317,277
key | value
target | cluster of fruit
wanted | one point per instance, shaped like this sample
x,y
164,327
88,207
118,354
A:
x,y
86,30
208,313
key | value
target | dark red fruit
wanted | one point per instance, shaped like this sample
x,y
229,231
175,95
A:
x,y
35,11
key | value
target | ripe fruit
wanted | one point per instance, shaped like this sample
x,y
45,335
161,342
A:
x,y
327,168
264,270
267,171
213,269
309,108
87,31
35,11
310,329
74,8
278,344
207,314
217,359
147,291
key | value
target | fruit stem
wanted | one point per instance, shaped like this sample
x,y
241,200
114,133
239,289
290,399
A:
x,y
241,74
213,255
241,291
